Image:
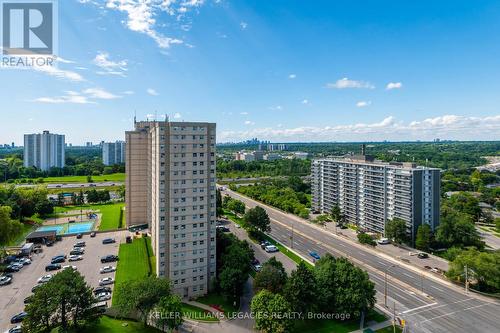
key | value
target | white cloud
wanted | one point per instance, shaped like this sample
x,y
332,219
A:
x,y
152,92
128,92
305,101
275,108
243,25
362,104
346,83
60,73
394,85
292,76
177,115
445,127
99,93
248,122
108,66
244,113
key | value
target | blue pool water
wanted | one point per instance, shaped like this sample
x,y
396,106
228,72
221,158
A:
x,y
75,228
57,228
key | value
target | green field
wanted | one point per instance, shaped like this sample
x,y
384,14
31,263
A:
x,y
110,325
114,177
110,219
337,326
195,313
217,299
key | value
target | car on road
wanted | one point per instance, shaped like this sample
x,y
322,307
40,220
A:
x,y
384,241
101,289
106,281
5,280
18,318
15,329
75,258
263,244
58,260
315,255
79,244
108,241
79,236
422,255
92,234
77,251
107,269
109,258
52,267
103,297
45,278
271,249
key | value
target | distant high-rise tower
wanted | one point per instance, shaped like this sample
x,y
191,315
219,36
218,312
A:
x,y
44,151
170,185
113,152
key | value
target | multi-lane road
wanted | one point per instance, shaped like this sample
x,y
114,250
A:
x,y
426,303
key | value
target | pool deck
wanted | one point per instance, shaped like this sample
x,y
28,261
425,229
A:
x,y
62,225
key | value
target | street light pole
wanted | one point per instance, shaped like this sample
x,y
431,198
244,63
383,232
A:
x,y
385,283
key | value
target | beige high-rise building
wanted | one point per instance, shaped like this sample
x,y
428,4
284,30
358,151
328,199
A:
x,y
170,185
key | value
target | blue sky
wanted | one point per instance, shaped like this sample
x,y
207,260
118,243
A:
x,y
279,70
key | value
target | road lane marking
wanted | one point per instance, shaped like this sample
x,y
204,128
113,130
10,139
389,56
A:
x,y
408,275
450,313
437,288
418,308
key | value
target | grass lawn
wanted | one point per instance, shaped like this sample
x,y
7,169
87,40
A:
x,y
25,230
115,177
219,301
134,262
337,326
110,325
389,329
195,313
111,218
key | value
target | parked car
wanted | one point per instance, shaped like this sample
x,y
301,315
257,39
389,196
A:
x,y
79,236
271,248
5,280
101,289
52,267
45,278
315,255
75,258
103,297
35,287
422,255
15,329
77,252
106,281
59,256
79,244
49,243
12,268
107,269
69,267
257,267
222,228
28,299
263,244
57,260
23,261
108,241
109,258
92,234
18,318
384,241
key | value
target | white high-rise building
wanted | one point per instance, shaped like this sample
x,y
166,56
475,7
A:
x,y
44,151
170,185
371,192
113,152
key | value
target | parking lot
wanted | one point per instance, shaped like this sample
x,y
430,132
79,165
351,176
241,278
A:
x,y
12,296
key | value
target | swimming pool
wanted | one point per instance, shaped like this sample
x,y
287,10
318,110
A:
x,y
68,228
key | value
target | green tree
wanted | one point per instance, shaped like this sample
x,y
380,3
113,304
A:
x,y
395,229
168,312
141,295
325,276
234,268
336,213
272,276
364,238
301,289
457,229
272,312
60,199
9,228
236,206
44,208
258,219
423,238
218,204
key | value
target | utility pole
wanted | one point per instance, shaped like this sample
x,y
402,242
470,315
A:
x,y
385,288
466,280
394,317
291,237
422,282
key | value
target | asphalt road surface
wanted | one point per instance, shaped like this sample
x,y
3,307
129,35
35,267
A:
x,y
426,303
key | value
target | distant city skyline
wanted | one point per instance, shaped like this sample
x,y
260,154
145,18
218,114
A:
x,y
284,70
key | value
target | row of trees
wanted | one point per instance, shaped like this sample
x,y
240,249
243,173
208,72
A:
x,y
284,167
291,195
333,286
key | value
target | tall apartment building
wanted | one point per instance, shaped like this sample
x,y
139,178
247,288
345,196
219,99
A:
x,y
170,185
371,192
44,151
113,153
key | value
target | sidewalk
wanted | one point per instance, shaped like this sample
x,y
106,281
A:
x,y
375,326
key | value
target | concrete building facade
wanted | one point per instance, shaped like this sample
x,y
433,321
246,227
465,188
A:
x,y
44,151
370,192
170,185
113,153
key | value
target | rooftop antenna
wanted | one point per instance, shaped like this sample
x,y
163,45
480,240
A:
x,y
166,117
156,115
135,117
